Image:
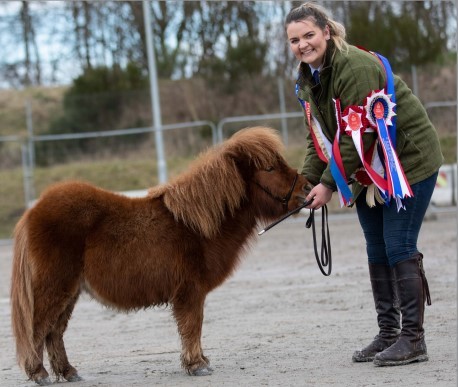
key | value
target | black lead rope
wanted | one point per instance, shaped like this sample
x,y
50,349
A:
x,y
325,258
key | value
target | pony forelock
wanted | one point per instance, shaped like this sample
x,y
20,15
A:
x,y
213,184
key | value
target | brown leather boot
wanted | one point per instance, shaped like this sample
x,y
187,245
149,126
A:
x,y
387,313
413,291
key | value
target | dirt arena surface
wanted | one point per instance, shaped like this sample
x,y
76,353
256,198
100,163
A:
x,y
276,322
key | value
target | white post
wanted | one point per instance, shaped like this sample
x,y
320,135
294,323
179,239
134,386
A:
x,y
26,176
281,96
30,151
155,103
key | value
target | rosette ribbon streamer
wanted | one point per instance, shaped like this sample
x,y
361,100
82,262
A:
x,y
382,168
326,151
379,112
337,167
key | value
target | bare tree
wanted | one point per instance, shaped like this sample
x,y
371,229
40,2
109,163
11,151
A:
x,y
30,67
202,37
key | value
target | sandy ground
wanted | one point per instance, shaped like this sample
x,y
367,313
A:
x,y
277,322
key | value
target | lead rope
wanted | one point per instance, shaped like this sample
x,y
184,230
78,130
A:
x,y
325,258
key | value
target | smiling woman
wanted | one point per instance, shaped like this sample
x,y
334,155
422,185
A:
x,y
367,129
308,42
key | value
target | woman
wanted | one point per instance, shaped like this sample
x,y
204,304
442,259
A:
x,y
362,118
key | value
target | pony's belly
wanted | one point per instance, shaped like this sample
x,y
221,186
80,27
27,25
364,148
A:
x,y
123,297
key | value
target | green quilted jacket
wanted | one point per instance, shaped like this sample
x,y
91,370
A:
x,y
351,76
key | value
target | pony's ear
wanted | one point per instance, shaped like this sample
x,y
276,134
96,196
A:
x,y
244,163
254,148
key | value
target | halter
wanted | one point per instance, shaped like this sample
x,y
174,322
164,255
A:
x,y
284,200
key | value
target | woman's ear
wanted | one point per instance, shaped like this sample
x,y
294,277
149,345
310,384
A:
x,y
327,33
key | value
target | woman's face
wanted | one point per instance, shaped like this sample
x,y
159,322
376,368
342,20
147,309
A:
x,y
308,41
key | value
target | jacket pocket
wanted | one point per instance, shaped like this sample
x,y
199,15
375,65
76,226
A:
x,y
408,153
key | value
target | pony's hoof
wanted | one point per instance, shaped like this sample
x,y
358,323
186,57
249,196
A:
x,y
74,378
203,371
43,381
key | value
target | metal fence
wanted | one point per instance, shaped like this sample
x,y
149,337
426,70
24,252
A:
x,y
217,130
290,125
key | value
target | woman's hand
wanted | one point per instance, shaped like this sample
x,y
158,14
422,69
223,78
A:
x,y
320,195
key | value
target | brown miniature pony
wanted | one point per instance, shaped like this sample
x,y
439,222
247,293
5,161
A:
x,y
170,248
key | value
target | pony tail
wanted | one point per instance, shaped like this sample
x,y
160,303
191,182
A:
x,y
22,304
338,34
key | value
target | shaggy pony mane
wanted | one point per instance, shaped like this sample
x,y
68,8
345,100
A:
x,y
213,184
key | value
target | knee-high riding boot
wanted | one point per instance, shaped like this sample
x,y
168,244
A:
x,y
388,315
413,291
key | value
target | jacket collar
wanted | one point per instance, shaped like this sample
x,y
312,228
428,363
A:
x,y
305,77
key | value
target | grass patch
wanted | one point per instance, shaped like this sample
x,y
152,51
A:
x,y
113,175
448,145
121,174
12,203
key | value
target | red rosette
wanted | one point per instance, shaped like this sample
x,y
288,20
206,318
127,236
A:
x,y
362,177
354,118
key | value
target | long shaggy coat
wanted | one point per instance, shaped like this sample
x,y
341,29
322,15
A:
x,y
169,248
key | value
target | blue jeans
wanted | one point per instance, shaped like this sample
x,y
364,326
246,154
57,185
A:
x,y
391,236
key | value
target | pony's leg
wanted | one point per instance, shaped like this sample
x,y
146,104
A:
x,y
50,302
34,367
189,315
56,349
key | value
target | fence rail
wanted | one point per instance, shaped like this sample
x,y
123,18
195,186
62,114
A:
x,y
260,117
124,132
434,104
27,147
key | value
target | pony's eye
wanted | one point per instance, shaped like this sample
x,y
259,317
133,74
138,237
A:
x,y
269,169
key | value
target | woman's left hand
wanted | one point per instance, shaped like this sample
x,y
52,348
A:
x,y
320,195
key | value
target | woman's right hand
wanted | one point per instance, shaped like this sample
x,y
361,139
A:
x,y
321,195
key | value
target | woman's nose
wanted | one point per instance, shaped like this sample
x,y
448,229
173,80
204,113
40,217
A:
x,y
302,43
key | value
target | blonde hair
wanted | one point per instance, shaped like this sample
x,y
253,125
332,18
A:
x,y
318,15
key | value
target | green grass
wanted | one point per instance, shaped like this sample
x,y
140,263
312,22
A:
x,y
448,145
12,200
114,174
119,174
